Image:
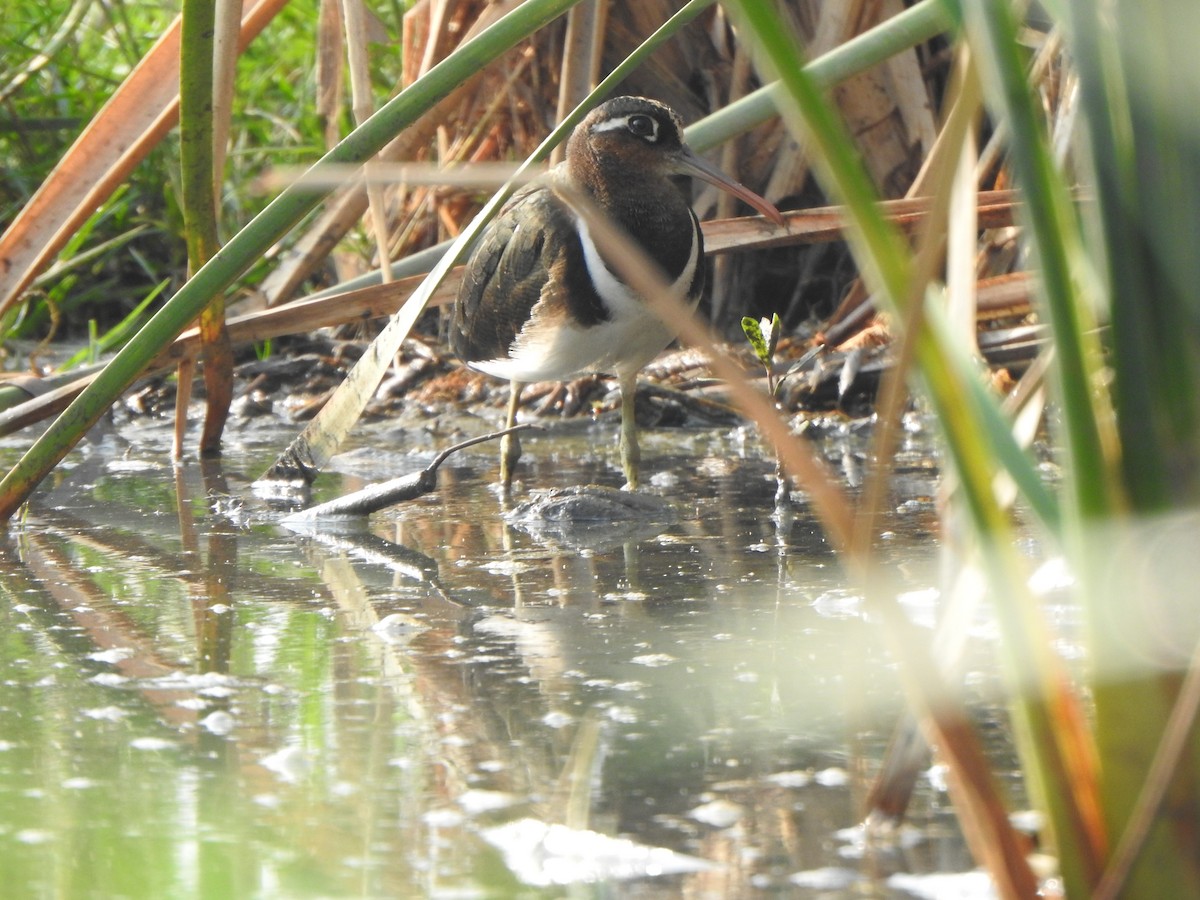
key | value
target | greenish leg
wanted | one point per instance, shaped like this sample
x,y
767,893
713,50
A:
x,y
631,454
510,444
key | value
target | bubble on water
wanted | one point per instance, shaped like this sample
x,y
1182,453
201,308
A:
x,y
105,713
443,818
624,715
718,813
829,878
832,777
291,764
219,722
151,743
838,604
974,885
474,802
34,836
792,779
398,628
112,655
557,719
653,660
543,854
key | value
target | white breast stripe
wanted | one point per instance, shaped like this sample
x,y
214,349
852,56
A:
x,y
615,294
631,337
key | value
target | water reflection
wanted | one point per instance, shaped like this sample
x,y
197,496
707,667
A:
x,y
196,702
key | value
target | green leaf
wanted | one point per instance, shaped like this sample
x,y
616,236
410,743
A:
x,y
773,337
753,329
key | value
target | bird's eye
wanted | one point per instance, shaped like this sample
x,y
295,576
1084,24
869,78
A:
x,y
642,126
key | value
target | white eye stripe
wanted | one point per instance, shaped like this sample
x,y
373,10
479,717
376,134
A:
x,y
622,123
610,125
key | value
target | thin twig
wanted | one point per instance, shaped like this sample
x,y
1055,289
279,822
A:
x,y
388,493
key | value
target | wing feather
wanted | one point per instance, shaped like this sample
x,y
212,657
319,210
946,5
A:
x,y
530,256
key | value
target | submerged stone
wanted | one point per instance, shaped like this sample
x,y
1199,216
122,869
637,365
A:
x,y
593,516
592,504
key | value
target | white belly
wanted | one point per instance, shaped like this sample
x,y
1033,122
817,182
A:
x,y
624,343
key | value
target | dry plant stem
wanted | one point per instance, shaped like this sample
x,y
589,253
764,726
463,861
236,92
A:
x,y
893,787
884,258
815,225
722,270
993,152
827,223
355,19
948,140
583,48
344,212
218,356
185,372
183,399
226,50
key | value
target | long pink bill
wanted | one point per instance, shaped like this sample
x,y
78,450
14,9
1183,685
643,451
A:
x,y
691,164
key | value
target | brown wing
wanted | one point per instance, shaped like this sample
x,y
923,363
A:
x,y
530,253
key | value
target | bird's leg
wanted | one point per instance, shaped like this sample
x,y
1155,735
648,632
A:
x,y
631,453
510,444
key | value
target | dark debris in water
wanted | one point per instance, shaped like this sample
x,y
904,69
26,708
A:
x,y
592,503
593,516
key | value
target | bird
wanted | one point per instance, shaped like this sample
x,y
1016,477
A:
x,y
539,302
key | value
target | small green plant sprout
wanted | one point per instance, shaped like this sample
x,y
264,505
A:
x,y
763,335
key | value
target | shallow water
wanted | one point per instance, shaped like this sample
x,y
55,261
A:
x,y
196,701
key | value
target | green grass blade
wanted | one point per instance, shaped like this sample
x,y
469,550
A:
x,y
1055,239
997,429
197,160
117,335
1138,90
1139,115
196,129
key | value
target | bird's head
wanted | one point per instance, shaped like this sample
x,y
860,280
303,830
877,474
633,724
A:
x,y
636,138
